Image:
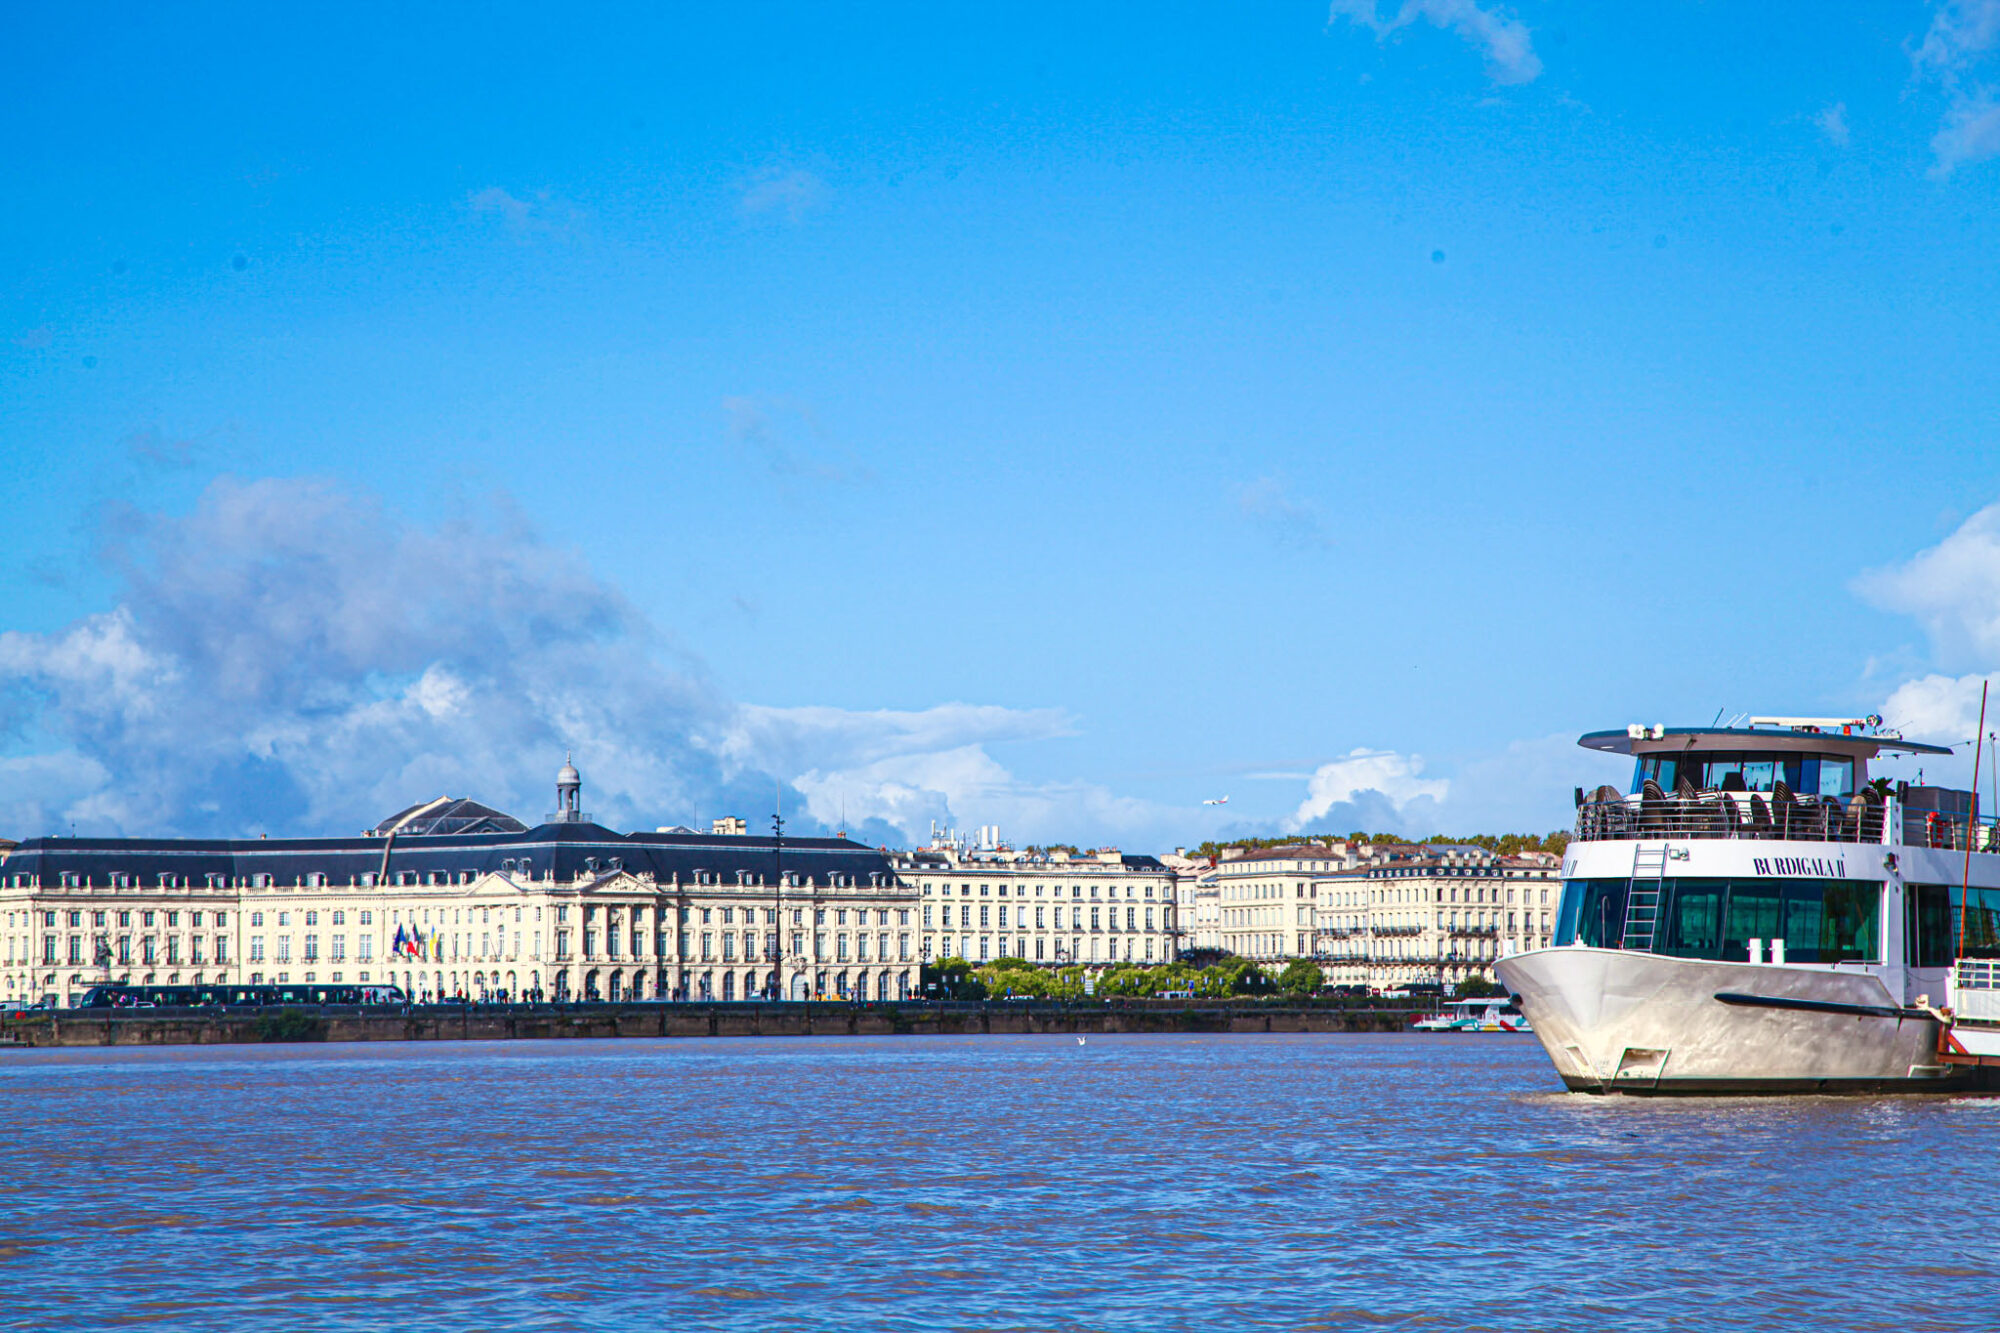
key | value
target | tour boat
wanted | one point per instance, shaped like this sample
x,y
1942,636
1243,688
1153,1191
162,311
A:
x,y
1758,914
1490,1013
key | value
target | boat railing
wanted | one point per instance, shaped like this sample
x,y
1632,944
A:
x,y
1976,989
1722,814
1949,832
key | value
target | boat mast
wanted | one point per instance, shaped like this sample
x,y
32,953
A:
x,y
1972,819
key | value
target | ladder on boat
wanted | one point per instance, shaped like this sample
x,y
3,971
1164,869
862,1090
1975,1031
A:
x,y
1642,902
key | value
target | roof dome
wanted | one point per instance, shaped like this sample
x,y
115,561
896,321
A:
x,y
567,776
448,815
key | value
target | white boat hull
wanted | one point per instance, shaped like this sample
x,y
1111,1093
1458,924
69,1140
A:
x,y
1617,1021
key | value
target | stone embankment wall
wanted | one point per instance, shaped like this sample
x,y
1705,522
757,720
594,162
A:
x,y
76,1027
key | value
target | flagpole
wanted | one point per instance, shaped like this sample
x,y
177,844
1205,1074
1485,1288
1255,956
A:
x,y
1972,820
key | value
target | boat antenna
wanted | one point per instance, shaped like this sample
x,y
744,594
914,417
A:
x,y
1718,717
1972,820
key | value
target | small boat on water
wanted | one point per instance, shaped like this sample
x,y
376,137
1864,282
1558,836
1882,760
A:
x,y
1759,914
1487,1013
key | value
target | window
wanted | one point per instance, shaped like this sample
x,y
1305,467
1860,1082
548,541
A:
x,y
312,918
1982,920
1711,770
1593,913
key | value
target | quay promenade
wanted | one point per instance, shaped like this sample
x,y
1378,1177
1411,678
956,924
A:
x,y
450,1022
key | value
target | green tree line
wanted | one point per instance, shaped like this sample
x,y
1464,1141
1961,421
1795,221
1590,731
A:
x,y
957,979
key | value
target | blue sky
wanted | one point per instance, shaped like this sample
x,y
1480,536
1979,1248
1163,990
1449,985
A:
x,y
1030,416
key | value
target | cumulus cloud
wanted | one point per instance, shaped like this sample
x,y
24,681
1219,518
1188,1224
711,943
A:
x,y
1504,40
1952,590
789,192
1940,709
904,770
1367,780
1961,31
1970,133
1961,36
1269,503
1832,122
293,658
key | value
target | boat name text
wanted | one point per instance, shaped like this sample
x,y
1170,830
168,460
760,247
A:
x,y
1818,867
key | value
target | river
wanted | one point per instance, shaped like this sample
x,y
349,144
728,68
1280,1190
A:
x,y
1131,1183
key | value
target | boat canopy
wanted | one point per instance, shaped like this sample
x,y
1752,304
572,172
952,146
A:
x,y
1861,744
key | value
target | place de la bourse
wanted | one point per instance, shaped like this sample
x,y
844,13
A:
x,y
452,899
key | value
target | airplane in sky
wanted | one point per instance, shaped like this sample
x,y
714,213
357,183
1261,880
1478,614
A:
x,y
1220,800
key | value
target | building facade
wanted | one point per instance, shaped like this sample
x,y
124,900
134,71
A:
x,y
1383,915
1429,913
1055,908
454,899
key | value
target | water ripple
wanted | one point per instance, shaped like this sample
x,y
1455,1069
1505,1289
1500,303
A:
x,y
992,1183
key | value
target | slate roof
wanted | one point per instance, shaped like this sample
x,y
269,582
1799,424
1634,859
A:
x,y
566,849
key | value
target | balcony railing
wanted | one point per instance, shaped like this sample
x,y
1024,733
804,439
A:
x,y
1733,815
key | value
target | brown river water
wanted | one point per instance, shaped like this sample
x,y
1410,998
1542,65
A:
x,y
1136,1182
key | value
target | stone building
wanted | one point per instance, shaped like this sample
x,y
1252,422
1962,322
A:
x,y
1383,914
1053,908
452,898
1432,913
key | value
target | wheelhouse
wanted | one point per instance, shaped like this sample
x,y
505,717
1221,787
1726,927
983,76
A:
x,y
1788,779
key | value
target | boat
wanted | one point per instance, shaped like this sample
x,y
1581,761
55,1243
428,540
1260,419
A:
x,y
1486,1013
1759,913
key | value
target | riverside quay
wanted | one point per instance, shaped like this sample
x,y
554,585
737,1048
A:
x,y
453,899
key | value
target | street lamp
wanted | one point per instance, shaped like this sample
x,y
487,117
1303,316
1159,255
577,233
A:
x,y
774,988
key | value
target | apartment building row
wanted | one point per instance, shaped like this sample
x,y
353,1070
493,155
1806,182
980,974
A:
x,y
1371,913
452,898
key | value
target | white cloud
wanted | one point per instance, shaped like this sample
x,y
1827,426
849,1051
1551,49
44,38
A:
x,y
1941,709
1952,589
291,657
1832,123
37,791
1390,776
1961,35
1970,133
1961,31
792,192
1504,40
907,769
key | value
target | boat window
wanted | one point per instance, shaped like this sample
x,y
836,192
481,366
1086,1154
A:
x,y
1932,921
1820,920
1982,922
1755,910
1709,770
1592,913
1690,923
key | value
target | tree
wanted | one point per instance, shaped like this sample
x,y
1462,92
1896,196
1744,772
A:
x,y
1301,976
1477,985
954,980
